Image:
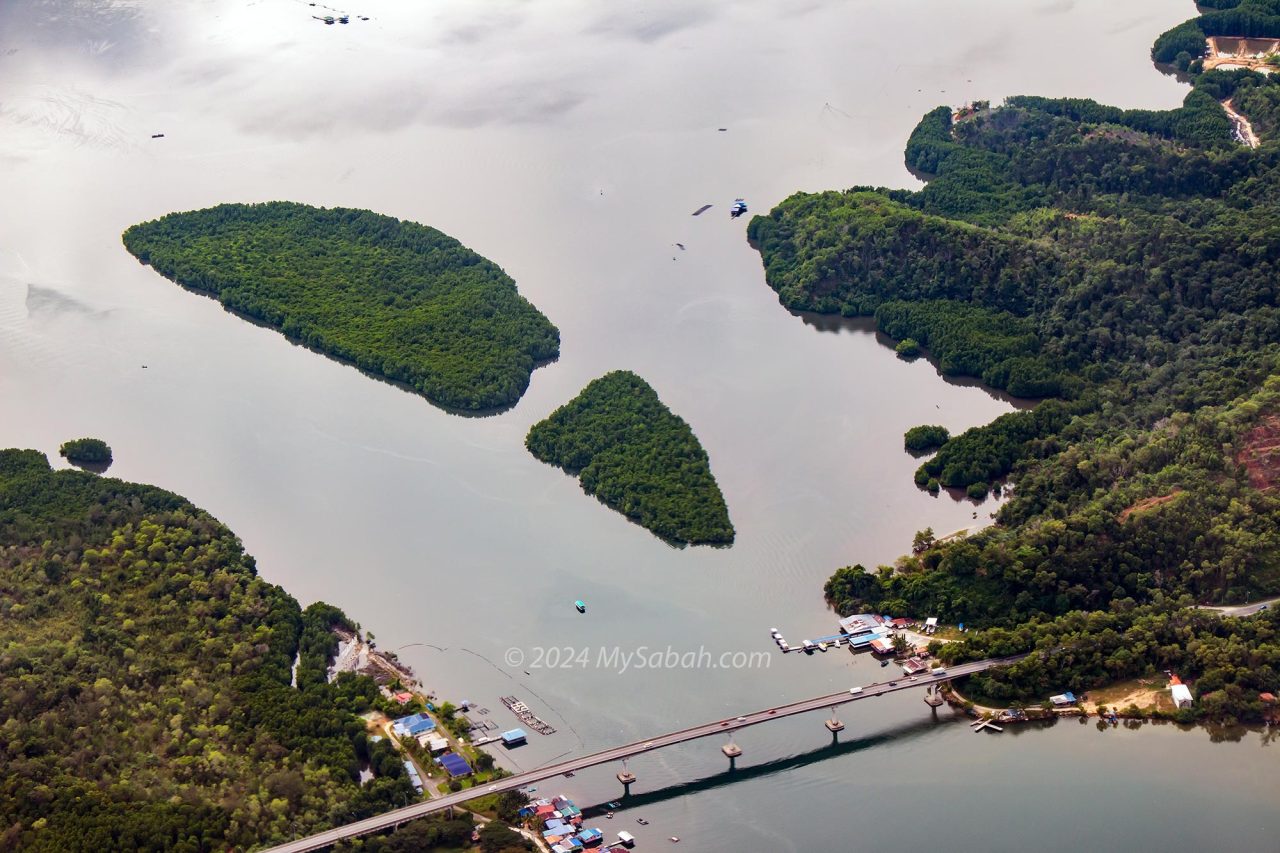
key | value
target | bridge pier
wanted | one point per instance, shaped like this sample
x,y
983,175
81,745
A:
x,y
933,696
732,751
834,725
626,777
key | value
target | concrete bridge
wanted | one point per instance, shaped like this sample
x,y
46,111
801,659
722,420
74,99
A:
x,y
391,819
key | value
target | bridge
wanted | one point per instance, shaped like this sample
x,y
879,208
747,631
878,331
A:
x,y
394,818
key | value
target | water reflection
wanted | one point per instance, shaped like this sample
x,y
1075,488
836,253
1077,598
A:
x,y
740,773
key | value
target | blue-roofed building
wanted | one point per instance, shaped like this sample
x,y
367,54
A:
x,y
515,737
590,837
455,764
414,778
413,725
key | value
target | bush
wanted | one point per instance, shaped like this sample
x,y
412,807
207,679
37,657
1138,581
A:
x,y
977,491
908,348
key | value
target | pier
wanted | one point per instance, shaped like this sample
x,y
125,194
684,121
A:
x,y
396,817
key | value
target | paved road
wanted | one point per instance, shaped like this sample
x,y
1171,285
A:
x,y
617,753
1242,609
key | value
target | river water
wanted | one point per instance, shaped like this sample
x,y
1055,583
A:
x,y
570,142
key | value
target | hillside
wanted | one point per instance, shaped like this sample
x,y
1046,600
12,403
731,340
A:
x,y
1125,263
145,678
399,300
637,457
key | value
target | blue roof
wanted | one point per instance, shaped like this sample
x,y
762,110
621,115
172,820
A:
x,y
455,764
415,724
590,834
514,734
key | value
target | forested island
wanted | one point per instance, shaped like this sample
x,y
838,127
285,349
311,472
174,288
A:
x,y
145,674
1125,263
638,457
85,451
399,300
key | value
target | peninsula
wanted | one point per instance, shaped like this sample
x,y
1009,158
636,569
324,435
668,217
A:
x,y
1124,262
637,457
399,300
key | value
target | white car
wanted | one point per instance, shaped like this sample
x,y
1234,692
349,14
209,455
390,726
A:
x,y
855,690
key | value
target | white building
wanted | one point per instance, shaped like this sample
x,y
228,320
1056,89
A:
x,y
1182,697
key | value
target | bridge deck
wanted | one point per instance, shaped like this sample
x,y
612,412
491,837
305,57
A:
x,y
396,817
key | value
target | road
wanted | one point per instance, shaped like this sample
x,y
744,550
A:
x,y
391,819
1241,609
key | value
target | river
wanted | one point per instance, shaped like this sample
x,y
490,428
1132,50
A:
x,y
570,142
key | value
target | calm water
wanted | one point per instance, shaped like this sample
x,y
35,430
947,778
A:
x,y
570,142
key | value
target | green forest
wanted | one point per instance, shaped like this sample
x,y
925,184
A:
x,y
637,457
1123,264
82,450
397,299
145,680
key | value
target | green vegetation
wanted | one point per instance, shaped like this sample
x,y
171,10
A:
x,y
93,451
908,348
1243,18
925,439
145,680
1129,258
397,299
636,456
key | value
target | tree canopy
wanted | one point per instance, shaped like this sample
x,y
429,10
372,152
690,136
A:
x,y
1126,263
145,680
399,300
638,457
80,450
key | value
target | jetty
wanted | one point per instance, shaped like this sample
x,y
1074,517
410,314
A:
x,y
527,716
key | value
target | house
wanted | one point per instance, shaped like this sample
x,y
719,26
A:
x,y
901,623
435,743
413,725
914,666
455,764
1061,699
414,778
591,837
882,646
1182,697
861,623
403,697
515,737
931,625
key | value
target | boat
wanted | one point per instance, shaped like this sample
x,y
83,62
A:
x,y
822,646
739,208
884,663
581,605
614,805
642,821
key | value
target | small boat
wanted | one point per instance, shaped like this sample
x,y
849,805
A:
x,y
822,647
642,821
157,136
675,839
739,208
608,815
580,605
613,805
884,663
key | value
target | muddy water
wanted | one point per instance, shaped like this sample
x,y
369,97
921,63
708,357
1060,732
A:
x,y
569,142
